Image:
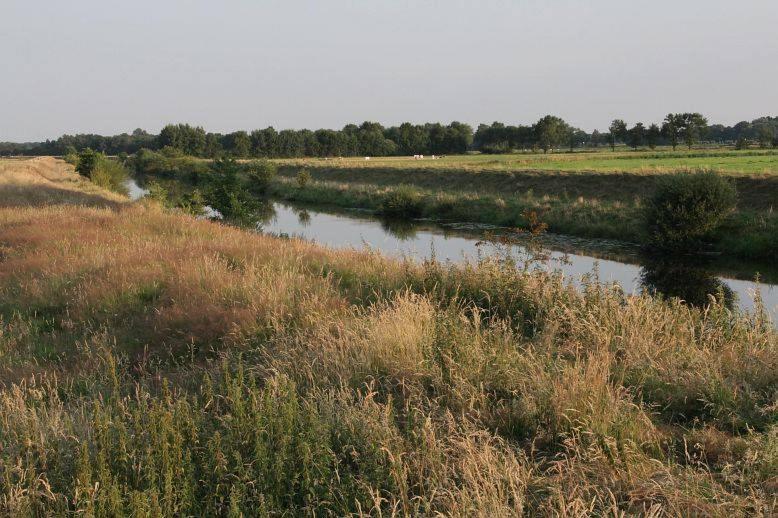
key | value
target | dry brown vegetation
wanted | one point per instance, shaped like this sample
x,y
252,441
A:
x,y
157,364
47,181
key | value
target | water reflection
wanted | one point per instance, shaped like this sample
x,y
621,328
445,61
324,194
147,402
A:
x,y
693,282
304,217
403,230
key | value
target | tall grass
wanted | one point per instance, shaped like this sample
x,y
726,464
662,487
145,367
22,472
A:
x,y
154,364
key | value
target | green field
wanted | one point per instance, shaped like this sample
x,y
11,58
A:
x,y
757,162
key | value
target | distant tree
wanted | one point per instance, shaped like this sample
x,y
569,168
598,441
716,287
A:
x,y
576,137
550,132
213,145
636,135
190,140
694,128
765,136
671,128
596,139
411,140
652,135
618,131
238,144
459,138
372,142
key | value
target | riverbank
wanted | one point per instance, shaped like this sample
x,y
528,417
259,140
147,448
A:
x,y
495,191
156,363
604,206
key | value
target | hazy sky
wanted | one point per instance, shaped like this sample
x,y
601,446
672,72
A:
x,y
107,67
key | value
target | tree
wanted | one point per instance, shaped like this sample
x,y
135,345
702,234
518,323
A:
x,y
550,131
652,136
87,162
694,128
596,138
687,209
765,136
190,140
671,128
576,137
410,140
636,135
618,131
238,143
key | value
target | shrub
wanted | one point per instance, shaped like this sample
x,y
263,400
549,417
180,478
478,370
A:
x,y
303,178
158,193
102,171
226,194
110,174
70,156
87,162
168,163
501,148
687,208
260,174
402,202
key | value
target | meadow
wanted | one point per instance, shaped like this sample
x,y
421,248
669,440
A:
x,y
729,161
157,364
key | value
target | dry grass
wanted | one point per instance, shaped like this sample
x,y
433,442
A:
x,y
157,364
47,181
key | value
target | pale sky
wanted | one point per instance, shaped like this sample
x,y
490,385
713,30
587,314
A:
x,y
104,66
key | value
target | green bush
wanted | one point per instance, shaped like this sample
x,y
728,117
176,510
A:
x,y
110,175
303,178
70,156
261,173
687,208
168,162
87,162
402,202
102,171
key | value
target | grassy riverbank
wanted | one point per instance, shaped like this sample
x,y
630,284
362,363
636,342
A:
x,y
152,363
749,233
499,190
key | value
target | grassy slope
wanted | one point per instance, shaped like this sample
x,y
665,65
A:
x,y
582,202
155,363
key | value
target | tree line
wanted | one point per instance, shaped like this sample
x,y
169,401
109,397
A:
x,y
373,139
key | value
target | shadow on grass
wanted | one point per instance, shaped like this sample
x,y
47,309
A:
x,y
37,195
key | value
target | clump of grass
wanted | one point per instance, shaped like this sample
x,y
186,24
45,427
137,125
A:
x,y
402,202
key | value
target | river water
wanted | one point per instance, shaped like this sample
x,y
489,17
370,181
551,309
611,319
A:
x,y
690,279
